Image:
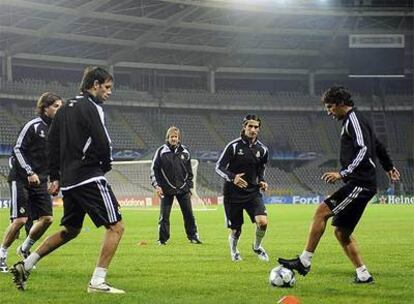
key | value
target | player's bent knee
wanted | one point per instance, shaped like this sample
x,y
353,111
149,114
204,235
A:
x,y
118,228
236,233
20,221
323,212
343,235
262,223
46,220
69,233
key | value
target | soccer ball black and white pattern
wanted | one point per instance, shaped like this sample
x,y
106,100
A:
x,y
282,277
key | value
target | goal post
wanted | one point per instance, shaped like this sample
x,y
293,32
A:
x,y
130,181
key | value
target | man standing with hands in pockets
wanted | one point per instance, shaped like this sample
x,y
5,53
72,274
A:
x,y
172,176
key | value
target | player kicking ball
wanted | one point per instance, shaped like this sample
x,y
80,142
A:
x,y
359,150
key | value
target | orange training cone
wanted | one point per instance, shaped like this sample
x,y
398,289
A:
x,y
289,300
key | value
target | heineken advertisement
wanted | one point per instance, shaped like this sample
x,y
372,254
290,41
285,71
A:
x,y
396,199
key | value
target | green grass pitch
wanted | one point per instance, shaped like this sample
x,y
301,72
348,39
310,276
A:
x,y
184,273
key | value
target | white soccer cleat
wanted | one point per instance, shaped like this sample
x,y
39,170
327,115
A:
x,y
236,257
261,254
103,288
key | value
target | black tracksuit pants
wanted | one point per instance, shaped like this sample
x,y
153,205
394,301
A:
x,y
184,200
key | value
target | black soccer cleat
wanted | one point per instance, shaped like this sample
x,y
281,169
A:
x,y
370,280
3,265
294,264
20,275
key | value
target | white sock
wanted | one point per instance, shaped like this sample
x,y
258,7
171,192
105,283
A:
x,y
3,251
27,244
233,244
99,276
362,273
258,237
31,260
306,258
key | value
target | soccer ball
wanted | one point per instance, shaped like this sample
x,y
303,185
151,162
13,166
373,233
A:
x,y
282,277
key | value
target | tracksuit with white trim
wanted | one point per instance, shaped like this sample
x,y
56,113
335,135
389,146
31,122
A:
x,y
29,157
358,153
80,153
242,156
171,170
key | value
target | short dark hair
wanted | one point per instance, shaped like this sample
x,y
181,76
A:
x,y
337,95
251,117
93,73
46,100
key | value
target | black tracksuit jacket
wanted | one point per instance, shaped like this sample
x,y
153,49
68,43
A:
x,y
359,150
29,154
79,146
171,169
240,156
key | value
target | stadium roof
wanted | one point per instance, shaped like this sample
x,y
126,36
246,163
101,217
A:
x,y
243,36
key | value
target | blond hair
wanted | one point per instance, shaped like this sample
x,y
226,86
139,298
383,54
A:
x,y
173,129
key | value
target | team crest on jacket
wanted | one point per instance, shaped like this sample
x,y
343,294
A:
x,y
258,154
22,210
240,152
182,156
42,133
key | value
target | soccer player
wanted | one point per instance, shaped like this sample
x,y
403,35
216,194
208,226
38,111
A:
x,y
242,166
79,150
172,176
358,152
28,180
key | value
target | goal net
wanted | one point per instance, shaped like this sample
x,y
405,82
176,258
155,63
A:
x,y
130,181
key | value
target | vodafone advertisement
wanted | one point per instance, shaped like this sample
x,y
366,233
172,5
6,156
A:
x,y
133,201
